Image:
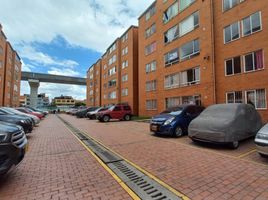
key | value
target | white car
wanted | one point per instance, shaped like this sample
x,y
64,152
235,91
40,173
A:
x,y
92,114
261,141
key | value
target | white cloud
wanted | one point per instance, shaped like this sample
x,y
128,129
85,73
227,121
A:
x,y
92,24
65,72
38,57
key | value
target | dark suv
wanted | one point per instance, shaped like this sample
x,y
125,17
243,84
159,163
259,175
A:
x,y
13,145
120,111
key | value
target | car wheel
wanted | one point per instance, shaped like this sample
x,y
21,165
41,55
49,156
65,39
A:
x,y
178,132
127,117
235,144
106,118
263,155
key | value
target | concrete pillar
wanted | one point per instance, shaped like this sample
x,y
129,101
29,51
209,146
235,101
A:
x,y
34,84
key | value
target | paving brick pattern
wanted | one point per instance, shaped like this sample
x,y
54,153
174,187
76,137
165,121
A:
x,y
57,166
197,172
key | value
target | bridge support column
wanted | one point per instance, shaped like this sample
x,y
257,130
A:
x,y
34,84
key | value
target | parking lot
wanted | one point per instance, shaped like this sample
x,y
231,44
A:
x,y
57,166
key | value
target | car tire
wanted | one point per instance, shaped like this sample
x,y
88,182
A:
x,y
127,118
235,144
106,118
263,155
178,132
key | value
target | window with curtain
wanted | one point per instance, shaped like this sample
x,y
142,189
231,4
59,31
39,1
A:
x,y
171,12
189,50
151,104
173,101
172,81
234,97
171,34
189,24
172,57
254,61
256,98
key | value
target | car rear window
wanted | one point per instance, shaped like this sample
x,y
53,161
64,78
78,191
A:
x,y
127,108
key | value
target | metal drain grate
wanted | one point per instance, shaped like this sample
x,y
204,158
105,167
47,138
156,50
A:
x,y
144,186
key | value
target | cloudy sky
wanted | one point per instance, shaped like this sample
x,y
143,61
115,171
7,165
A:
x,y
65,37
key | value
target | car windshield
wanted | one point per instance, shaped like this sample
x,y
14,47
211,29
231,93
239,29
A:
x,y
6,111
173,111
102,109
111,108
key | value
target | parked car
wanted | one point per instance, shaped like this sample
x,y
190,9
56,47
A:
x,y
37,110
28,111
13,145
175,121
225,123
83,113
23,121
261,141
119,111
35,119
92,114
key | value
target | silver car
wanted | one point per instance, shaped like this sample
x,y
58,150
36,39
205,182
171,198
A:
x,y
261,141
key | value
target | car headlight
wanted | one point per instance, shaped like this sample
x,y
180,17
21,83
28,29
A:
x,y
167,122
262,136
3,137
23,121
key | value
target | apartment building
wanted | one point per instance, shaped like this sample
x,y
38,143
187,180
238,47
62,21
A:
x,y
10,73
111,61
94,84
175,55
241,52
2,63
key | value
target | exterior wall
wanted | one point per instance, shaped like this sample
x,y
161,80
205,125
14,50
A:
x,y
2,63
131,70
16,78
205,88
90,86
245,80
106,77
8,75
97,83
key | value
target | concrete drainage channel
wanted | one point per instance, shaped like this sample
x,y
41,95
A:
x,y
141,184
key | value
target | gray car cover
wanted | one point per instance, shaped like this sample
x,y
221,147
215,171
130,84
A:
x,y
226,123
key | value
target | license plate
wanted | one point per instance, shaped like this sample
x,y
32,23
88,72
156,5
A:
x,y
154,128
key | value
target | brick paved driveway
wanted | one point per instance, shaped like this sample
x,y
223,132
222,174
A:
x,y
198,172
57,166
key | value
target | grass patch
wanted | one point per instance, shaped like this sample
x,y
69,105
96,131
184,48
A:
x,y
137,118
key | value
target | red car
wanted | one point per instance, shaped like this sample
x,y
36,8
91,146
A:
x,y
120,111
29,111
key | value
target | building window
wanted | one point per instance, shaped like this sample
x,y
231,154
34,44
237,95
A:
x,y
91,76
171,12
189,24
171,34
228,4
151,104
150,67
1,50
185,3
125,92
234,97
91,92
104,66
124,51
150,86
112,71
172,57
172,81
112,60
190,77
189,50
91,84
1,64
254,61
125,37
112,83
112,95
231,32
172,102
252,24
112,48
124,78
124,64
150,31
233,66
151,11
256,98
150,48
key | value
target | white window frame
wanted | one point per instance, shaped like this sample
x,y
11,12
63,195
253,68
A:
x,y
239,32
251,33
254,90
225,66
252,53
